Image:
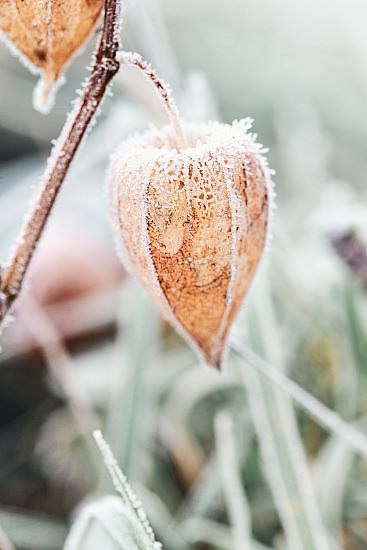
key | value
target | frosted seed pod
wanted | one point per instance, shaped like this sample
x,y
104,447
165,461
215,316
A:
x,y
192,223
47,35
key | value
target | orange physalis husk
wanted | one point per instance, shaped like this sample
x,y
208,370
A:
x,y
192,223
48,33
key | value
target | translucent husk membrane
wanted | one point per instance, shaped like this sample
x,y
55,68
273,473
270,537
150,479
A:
x,y
192,223
46,36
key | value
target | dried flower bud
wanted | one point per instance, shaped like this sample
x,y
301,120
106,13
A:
x,y
192,223
48,33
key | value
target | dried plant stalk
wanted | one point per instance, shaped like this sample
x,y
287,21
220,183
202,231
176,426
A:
x,y
192,223
104,68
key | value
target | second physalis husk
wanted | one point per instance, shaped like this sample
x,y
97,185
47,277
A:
x,y
47,34
192,223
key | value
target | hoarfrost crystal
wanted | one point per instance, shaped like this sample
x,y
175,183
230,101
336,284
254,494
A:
x,y
192,223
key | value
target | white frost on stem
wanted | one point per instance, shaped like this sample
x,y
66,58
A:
x,y
163,90
104,67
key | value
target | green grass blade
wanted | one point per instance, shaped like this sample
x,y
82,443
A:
x,y
283,455
129,400
229,469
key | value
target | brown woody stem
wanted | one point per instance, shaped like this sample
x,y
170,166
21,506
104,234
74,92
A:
x,y
164,92
104,68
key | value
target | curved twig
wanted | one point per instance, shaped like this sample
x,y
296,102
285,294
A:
x,y
162,89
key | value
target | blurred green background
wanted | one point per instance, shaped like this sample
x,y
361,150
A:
x,y
219,462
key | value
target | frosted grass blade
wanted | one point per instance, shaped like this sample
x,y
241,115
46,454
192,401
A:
x,y
330,474
130,500
129,400
105,524
234,494
284,459
325,417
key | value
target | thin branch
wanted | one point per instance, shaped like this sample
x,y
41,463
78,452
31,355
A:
x,y
163,90
317,410
104,68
